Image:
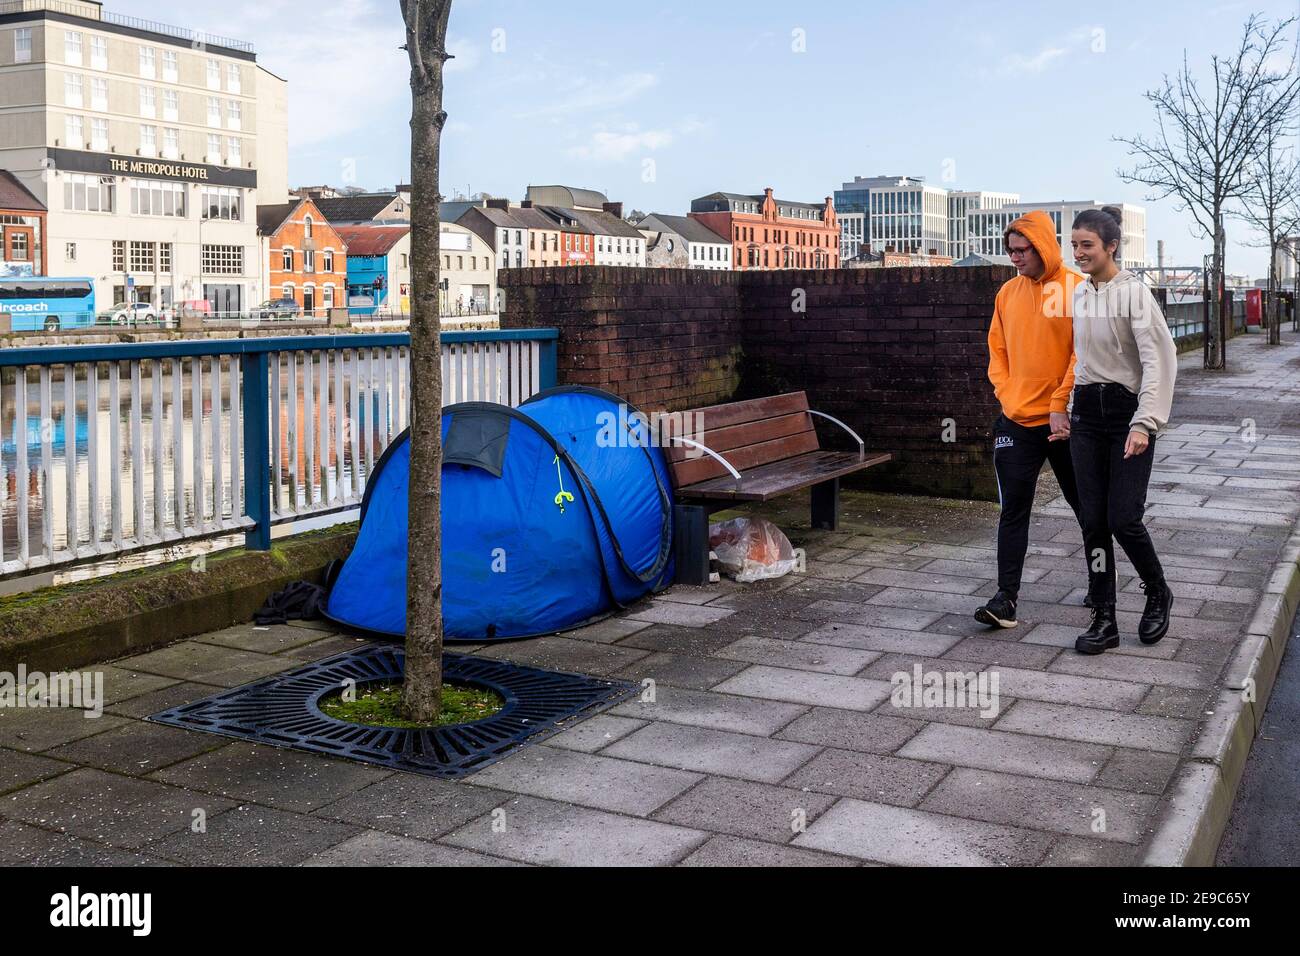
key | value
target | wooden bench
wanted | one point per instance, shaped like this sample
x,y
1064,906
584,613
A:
x,y
752,451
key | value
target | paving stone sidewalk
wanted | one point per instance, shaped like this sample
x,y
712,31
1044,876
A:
x,y
772,737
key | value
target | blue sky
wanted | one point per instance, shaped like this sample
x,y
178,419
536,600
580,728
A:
x,y
657,103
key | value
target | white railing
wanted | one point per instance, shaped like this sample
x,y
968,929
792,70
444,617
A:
x,y
114,449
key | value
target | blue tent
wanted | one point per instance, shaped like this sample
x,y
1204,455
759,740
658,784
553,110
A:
x,y
553,514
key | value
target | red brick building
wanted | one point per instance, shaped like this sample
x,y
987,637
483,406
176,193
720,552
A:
x,y
770,233
303,257
22,229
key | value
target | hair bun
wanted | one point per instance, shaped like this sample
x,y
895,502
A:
x,y
1114,212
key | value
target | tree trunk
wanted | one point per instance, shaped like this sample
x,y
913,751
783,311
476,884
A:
x,y
426,36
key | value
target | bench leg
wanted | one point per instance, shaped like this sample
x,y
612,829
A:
x,y
691,544
826,504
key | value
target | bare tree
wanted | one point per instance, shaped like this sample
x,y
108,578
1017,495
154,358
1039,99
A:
x,y
1205,142
426,45
1272,206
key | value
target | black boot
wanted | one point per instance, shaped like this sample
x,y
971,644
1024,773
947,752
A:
x,y
1000,611
1102,633
1155,617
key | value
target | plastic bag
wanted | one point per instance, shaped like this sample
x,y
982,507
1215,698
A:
x,y
751,549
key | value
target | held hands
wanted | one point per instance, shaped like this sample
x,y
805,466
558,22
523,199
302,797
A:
x,y
1060,425
1137,443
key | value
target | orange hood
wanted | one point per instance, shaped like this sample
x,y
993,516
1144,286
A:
x,y
1036,226
1031,339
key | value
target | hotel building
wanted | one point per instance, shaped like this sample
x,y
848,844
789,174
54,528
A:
x,y
151,147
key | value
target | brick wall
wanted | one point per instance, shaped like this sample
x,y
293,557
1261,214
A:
x,y
897,354
664,339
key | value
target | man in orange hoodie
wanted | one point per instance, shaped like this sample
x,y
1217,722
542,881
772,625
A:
x,y
1031,366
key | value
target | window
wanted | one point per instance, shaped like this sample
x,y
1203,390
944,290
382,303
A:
x,y
147,62
214,148
222,202
286,260
157,197
460,263
98,134
82,193
164,257
286,290
170,72
327,261
171,143
214,75
72,90
99,94
234,151
99,52
171,105
309,260
148,102
232,78
23,45
70,252
306,227
73,130
519,259
142,256
119,255
223,260
18,246
327,297
72,48
234,115
214,111
148,140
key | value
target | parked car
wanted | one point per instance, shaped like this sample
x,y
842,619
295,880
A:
x,y
277,309
133,313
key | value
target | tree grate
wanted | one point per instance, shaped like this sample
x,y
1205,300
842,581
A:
x,y
284,711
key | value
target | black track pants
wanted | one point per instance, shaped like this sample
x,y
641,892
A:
x,y
1018,455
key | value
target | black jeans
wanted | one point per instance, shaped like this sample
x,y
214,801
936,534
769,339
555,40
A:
x,y
1018,455
1112,488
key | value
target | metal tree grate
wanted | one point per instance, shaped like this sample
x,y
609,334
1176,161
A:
x,y
283,711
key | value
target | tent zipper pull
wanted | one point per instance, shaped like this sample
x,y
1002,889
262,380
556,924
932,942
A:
x,y
563,495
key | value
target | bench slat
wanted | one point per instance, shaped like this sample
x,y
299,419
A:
x,y
737,413
780,477
751,456
723,440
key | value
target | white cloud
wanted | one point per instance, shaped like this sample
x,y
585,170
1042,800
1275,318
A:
x,y
585,94
605,146
465,55
1017,63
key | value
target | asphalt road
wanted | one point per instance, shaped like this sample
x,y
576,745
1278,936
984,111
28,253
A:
x,y
1262,830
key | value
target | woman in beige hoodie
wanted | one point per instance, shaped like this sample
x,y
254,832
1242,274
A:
x,y
1125,363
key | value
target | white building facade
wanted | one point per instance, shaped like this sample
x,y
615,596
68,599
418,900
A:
x,y
986,226
960,204
151,148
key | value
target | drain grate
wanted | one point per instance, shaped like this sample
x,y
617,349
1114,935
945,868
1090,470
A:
x,y
283,711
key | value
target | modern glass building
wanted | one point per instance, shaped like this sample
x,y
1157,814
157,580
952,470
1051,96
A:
x,y
904,213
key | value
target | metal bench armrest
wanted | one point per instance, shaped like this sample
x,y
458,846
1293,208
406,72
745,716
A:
x,y
862,448
712,454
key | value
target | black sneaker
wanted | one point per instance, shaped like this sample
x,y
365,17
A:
x,y
1000,611
1102,633
1154,623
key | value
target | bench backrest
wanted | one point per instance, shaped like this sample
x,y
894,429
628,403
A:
x,y
747,434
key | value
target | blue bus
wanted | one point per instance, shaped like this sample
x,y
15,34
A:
x,y
43,303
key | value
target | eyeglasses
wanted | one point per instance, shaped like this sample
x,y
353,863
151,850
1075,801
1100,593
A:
x,y
1015,253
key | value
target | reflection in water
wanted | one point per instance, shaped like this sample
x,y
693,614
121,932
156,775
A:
x,y
159,456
